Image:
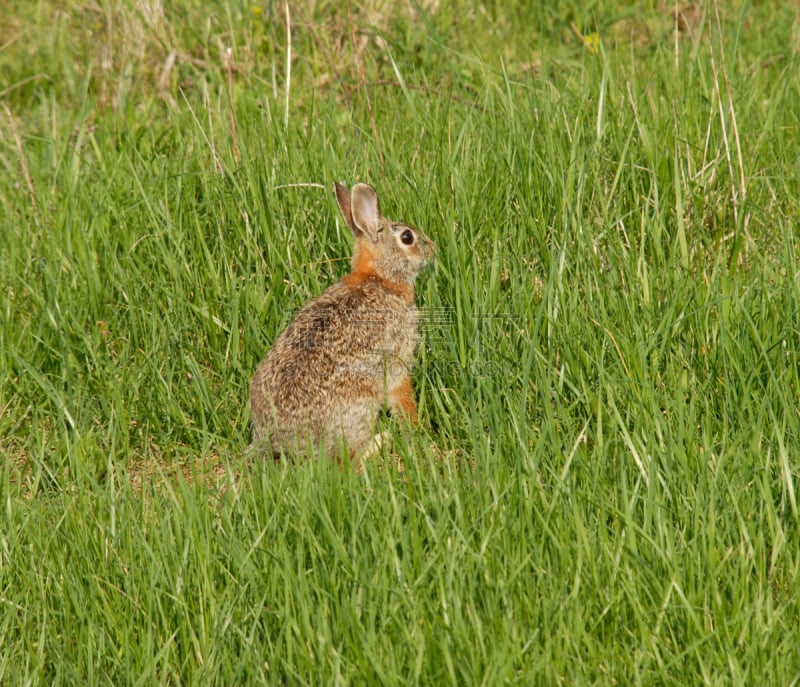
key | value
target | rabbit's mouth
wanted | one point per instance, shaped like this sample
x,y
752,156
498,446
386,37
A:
x,y
427,249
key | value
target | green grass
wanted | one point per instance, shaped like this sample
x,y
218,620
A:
x,y
604,485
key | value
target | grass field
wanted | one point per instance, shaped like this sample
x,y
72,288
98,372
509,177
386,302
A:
x,y
603,488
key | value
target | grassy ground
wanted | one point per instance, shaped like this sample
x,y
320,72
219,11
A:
x,y
604,485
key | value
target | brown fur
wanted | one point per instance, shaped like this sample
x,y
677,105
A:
x,y
349,353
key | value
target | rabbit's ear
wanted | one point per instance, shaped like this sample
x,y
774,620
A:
x,y
343,198
365,211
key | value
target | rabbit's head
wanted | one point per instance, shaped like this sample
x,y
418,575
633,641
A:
x,y
391,250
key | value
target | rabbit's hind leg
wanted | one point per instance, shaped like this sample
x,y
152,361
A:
x,y
373,447
369,451
353,427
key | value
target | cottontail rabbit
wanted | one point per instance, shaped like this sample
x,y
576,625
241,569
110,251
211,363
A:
x,y
348,353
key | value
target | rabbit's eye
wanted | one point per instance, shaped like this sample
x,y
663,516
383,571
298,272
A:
x,y
407,237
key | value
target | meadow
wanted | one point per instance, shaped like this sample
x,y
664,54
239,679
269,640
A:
x,y
603,487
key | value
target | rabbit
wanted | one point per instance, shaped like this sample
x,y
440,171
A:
x,y
349,353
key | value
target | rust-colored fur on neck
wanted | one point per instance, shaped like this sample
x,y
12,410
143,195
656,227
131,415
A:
x,y
363,269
